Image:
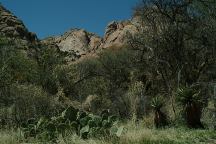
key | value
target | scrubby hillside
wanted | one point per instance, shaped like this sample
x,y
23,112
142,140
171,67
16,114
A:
x,y
150,79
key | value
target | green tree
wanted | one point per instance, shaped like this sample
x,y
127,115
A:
x,y
48,60
176,41
15,66
107,75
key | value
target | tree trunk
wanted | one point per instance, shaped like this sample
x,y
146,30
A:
x,y
193,116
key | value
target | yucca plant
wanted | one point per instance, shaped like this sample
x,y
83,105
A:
x,y
160,118
192,103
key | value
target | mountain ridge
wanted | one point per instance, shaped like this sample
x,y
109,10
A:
x,y
76,42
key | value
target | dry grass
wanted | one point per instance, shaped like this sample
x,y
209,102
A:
x,y
142,135
134,134
139,134
10,137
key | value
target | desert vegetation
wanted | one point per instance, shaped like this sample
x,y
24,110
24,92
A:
x,y
160,88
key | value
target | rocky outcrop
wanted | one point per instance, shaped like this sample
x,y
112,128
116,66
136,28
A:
x,y
76,42
11,26
79,40
117,33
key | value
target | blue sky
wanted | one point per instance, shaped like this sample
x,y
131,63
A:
x,y
54,17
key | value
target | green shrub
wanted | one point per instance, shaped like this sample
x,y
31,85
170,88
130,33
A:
x,y
29,101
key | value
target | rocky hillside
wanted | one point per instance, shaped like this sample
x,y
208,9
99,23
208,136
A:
x,y
76,42
11,26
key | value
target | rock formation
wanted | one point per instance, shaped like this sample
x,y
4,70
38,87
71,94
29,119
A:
x,y
76,42
11,26
117,33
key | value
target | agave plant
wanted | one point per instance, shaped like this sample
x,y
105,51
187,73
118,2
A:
x,y
192,103
160,118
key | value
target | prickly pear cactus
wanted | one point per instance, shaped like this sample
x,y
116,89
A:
x,y
84,132
113,119
116,131
72,120
106,124
97,120
70,113
84,121
81,115
92,123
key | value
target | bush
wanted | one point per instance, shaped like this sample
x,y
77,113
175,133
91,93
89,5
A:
x,y
29,101
96,104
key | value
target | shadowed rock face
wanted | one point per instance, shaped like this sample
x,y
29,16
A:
x,y
11,26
